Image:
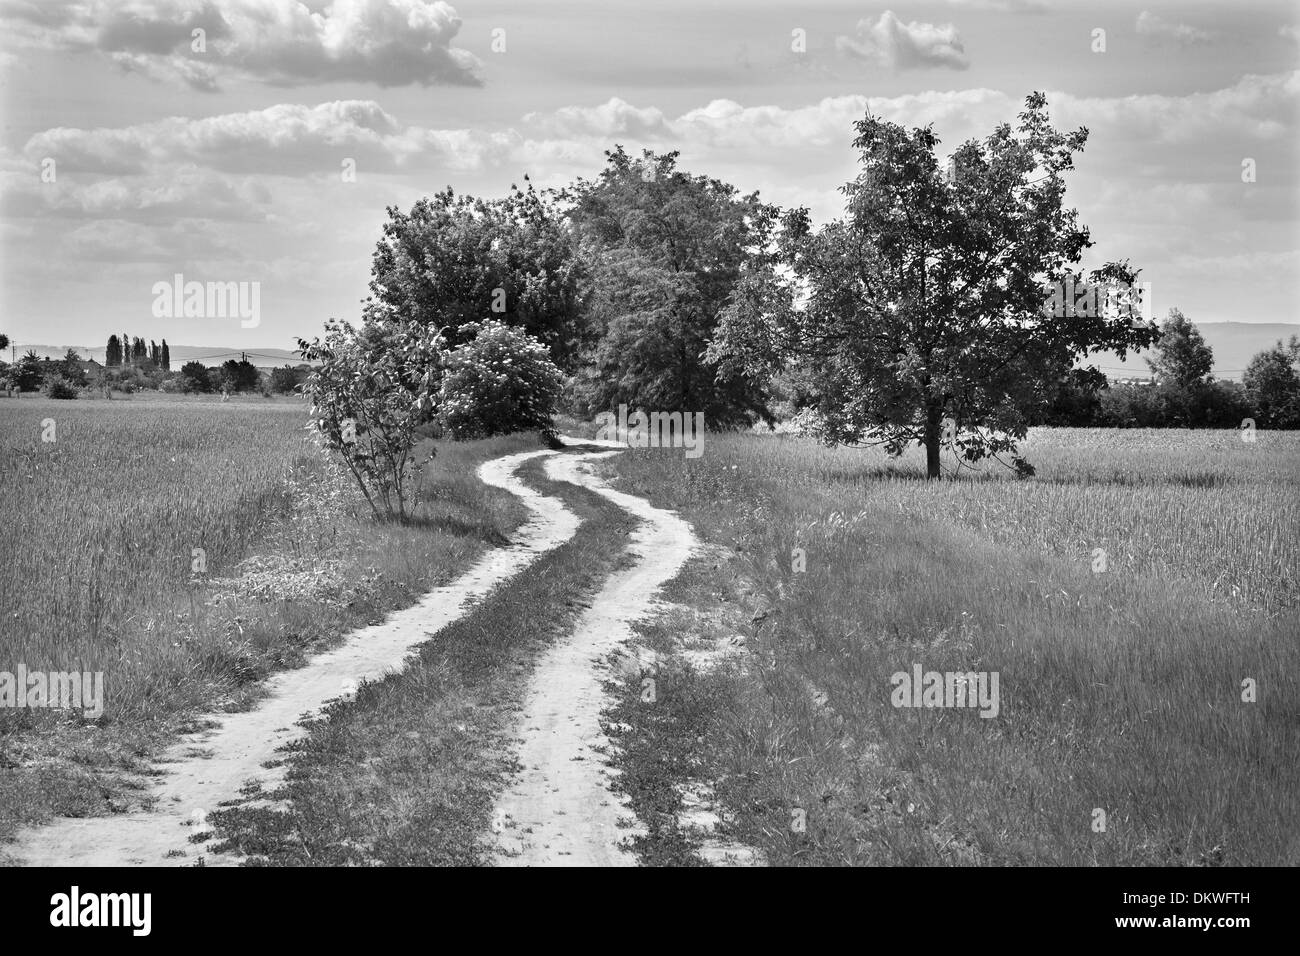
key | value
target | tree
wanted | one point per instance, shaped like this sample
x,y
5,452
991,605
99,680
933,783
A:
x,y
71,370
1182,357
28,374
195,377
454,260
166,357
1272,385
284,380
155,354
921,315
502,381
665,250
113,353
4,341
1076,400
128,357
239,376
372,389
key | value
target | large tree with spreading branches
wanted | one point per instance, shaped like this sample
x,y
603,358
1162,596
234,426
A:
x,y
925,314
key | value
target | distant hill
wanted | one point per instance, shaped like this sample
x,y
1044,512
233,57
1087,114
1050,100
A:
x,y
1234,345
180,354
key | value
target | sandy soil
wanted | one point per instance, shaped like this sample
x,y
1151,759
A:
x,y
205,769
559,811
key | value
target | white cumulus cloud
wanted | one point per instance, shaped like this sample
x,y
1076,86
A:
x,y
903,46
198,42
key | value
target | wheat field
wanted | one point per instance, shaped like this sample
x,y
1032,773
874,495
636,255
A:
x,y
101,523
1152,691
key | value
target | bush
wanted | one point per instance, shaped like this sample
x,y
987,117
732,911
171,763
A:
x,y
372,390
1167,405
60,388
285,380
502,381
241,376
196,378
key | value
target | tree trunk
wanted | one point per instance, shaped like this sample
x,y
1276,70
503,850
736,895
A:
x,y
933,436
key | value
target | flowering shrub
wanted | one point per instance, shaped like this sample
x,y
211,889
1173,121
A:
x,y
501,381
374,387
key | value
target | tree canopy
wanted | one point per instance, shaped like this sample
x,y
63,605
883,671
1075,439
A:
x,y
926,309
454,260
665,250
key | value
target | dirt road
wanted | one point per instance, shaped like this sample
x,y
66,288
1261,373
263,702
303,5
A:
x,y
208,768
559,811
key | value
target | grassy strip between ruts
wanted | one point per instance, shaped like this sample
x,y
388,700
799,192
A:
x,y
242,629
405,774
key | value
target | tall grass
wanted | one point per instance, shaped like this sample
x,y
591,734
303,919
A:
x,y
1203,506
100,526
1120,691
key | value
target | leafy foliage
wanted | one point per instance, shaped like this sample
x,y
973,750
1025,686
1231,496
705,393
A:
x,y
1182,357
1273,385
27,373
373,389
239,376
501,381
195,377
665,251
455,260
59,387
926,301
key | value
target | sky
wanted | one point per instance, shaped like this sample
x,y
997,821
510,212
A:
x,y
265,147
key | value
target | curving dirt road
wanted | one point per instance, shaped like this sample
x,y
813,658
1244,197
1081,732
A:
x,y
559,811
210,767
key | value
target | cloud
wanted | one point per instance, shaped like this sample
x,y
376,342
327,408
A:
x,y
183,192
613,118
1155,30
293,140
265,173
904,46
387,42
283,140
1254,109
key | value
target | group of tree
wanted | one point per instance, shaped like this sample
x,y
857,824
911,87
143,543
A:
x,y
72,375
60,378
136,352
1182,392
922,315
